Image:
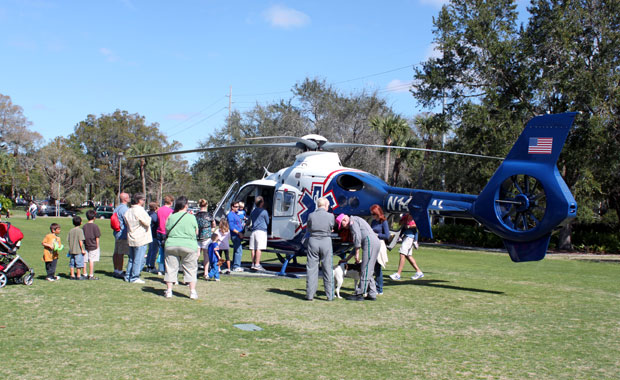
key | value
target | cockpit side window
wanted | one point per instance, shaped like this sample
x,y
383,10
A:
x,y
285,203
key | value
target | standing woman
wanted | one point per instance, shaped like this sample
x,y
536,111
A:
x,y
181,248
380,226
206,226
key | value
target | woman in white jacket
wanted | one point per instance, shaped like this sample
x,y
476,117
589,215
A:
x,y
139,237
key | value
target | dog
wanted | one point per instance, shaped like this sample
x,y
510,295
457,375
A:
x,y
345,270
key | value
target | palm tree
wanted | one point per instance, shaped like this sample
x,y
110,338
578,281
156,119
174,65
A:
x,y
394,130
140,149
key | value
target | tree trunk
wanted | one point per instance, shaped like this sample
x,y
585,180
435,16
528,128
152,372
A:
x,y
395,171
387,165
160,192
564,241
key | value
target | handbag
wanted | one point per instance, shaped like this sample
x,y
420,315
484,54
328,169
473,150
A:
x,y
165,237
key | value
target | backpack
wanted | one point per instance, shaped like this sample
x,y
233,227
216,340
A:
x,y
115,224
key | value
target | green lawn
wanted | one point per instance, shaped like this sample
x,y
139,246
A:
x,y
474,315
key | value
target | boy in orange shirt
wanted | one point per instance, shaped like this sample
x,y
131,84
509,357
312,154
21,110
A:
x,y
51,247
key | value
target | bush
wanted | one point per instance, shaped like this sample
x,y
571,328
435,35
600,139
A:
x,y
475,236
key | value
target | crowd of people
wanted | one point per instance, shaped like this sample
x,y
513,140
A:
x,y
166,239
369,249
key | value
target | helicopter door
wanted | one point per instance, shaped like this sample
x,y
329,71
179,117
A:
x,y
224,204
284,222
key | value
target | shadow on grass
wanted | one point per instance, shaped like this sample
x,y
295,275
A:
x,y
297,293
437,284
160,291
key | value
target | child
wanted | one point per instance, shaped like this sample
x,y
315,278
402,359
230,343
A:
x,y
224,233
409,231
51,247
214,257
91,244
76,249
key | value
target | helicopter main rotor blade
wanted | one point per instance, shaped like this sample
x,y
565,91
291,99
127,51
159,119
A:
x,y
311,145
330,145
227,147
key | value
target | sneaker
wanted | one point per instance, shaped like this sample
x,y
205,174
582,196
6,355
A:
x,y
380,293
93,278
193,295
56,278
227,271
160,273
238,269
138,281
51,279
395,276
259,268
417,276
217,279
72,278
168,293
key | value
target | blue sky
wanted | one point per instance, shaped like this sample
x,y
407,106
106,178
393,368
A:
x,y
175,61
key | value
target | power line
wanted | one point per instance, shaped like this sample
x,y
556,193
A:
x,y
198,122
344,81
194,115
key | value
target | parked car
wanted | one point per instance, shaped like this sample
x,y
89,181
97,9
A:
x,y
51,211
104,212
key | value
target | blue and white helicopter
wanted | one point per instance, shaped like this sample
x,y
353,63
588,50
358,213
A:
x,y
524,201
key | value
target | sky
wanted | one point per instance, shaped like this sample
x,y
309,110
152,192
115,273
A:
x,y
177,62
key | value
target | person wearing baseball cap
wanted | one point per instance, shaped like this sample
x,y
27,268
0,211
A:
x,y
367,243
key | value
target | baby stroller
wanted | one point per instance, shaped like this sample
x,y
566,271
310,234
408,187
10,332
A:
x,y
12,266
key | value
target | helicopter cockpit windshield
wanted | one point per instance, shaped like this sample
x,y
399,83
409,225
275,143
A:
x,y
224,204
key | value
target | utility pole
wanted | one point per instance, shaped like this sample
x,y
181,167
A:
x,y
229,102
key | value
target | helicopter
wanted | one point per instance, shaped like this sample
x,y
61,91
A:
x,y
523,202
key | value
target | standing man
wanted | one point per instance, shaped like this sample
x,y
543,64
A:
x,y
236,231
139,237
319,228
258,239
32,209
366,242
120,237
162,217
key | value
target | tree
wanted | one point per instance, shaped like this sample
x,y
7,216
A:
x,y
102,138
316,108
18,140
66,170
395,131
492,77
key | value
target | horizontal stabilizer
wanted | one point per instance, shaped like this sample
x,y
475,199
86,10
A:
x,y
528,251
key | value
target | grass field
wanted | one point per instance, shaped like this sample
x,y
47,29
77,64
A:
x,y
474,315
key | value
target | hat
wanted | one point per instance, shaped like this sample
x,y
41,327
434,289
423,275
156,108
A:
x,y
339,219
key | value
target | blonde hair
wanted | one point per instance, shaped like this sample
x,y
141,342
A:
x,y
224,227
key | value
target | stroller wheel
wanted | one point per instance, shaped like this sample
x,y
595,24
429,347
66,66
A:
x,y
28,279
3,280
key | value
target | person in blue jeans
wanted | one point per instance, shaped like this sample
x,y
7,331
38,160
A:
x,y
214,257
380,226
236,234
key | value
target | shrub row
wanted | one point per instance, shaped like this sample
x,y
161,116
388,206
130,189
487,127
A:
x,y
585,238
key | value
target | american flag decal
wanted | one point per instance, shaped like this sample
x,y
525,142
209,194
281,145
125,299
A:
x,y
540,145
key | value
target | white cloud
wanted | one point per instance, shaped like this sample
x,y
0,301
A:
x,y
109,55
282,17
398,85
